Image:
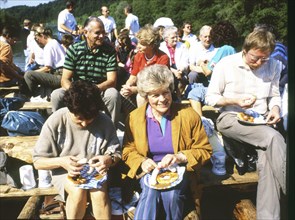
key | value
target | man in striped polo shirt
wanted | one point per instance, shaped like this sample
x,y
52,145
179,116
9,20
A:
x,y
93,60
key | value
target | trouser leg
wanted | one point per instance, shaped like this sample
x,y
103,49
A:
x,y
57,99
148,202
46,80
112,100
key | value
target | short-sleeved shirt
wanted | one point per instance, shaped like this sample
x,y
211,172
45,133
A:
x,y
132,22
67,18
54,54
60,137
140,62
88,65
109,24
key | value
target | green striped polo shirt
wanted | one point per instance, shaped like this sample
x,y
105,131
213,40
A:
x,y
90,65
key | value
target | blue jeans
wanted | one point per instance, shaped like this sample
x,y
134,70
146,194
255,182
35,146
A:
x,y
172,201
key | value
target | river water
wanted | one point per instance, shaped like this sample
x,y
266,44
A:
x,y
18,55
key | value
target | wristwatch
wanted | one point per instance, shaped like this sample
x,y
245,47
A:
x,y
112,156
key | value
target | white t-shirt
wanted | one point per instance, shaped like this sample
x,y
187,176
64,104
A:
x,y
67,18
109,24
132,22
54,54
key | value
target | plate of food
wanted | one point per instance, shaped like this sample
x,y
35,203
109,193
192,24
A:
x,y
89,178
250,119
164,178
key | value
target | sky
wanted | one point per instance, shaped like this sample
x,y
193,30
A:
x,y
11,3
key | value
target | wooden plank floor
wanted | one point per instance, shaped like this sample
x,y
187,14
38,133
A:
x,y
21,148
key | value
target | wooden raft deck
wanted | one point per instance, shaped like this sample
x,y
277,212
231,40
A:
x,y
22,147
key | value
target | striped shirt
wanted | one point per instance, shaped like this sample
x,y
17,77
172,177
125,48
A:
x,y
90,65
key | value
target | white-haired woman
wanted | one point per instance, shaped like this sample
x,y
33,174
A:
x,y
179,57
160,134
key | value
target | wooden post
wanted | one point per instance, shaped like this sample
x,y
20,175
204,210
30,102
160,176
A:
x,y
245,210
29,210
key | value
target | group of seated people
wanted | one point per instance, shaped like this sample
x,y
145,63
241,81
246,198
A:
x,y
159,132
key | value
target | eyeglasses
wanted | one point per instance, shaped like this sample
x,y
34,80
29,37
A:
x,y
37,33
255,59
189,27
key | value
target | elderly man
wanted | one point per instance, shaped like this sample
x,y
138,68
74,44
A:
x,y
93,60
250,80
109,24
200,52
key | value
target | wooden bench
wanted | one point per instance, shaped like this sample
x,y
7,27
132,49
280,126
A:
x,y
36,106
21,148
11,88
8,91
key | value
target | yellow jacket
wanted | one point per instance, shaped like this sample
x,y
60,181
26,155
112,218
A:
x,y
188,137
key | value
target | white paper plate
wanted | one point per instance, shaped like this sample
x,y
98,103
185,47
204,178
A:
x,y
180,171
259,122
251,123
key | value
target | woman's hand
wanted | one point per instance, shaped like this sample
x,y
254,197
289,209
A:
x,y
171,159
148,165
101,163
126,90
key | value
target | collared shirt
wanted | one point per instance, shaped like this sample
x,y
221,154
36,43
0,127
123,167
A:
x,y
199,53
90,65
181,55
159,135
233,78
191,38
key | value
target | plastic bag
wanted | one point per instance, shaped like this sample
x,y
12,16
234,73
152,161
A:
x,y
20,123
9,104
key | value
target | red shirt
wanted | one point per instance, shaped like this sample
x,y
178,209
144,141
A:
x,y
140,62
